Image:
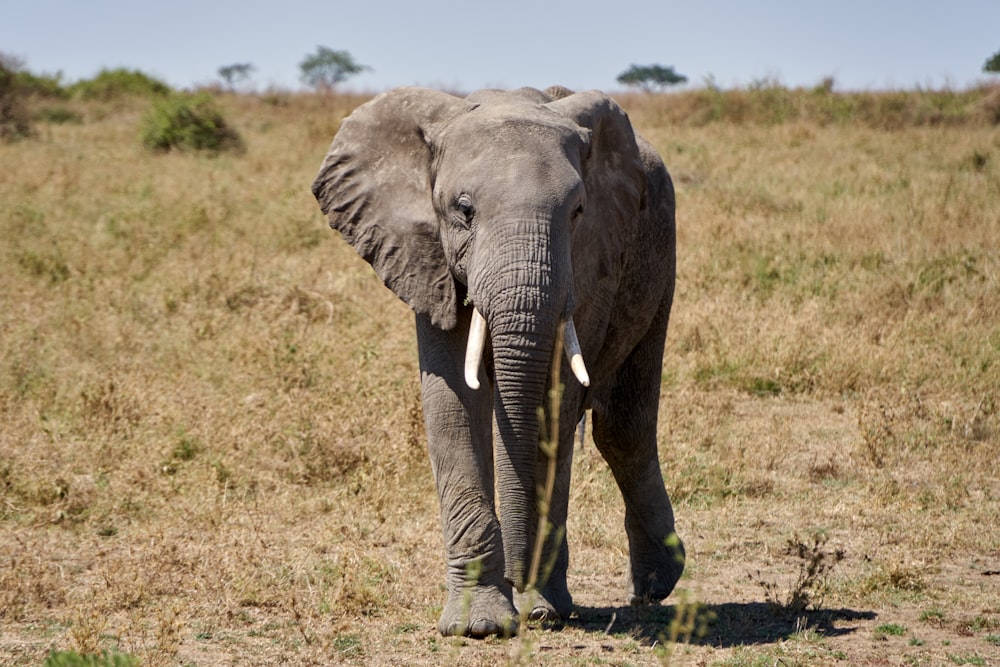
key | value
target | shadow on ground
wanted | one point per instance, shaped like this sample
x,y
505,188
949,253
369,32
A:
x,y
723,625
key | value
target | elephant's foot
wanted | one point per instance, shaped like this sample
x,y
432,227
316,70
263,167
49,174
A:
x,y
657,566
479,611
551,605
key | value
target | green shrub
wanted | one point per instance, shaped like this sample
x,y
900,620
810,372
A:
x,y
186,122
15,121
110,84
57,115
42,85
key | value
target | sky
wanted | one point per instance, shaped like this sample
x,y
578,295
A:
x,y
462,45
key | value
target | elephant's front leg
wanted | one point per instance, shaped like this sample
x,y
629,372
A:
x,y
552,602
458,422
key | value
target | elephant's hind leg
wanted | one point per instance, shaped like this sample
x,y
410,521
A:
x,y
625,415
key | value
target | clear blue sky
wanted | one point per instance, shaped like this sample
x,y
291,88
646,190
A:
x,y
465,44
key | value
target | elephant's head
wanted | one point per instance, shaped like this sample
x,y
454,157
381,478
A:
x,y
473,203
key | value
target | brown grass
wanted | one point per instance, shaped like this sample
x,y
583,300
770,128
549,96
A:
x,y
212,450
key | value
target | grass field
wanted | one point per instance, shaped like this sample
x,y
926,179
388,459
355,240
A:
x,y
211,447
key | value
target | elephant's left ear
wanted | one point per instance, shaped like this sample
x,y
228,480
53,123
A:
x,y
614,175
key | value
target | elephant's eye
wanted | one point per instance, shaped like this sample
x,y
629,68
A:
x,y
578,213
465,207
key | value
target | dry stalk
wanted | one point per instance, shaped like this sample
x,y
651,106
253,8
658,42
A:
x,y
549,444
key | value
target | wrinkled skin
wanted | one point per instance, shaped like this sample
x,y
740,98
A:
x,y
531,207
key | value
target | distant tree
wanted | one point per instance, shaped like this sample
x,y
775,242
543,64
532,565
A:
x,y
651,77
11,62
236,73
30,84
993,64
326,68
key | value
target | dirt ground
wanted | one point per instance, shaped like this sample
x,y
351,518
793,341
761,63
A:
x,y
889,601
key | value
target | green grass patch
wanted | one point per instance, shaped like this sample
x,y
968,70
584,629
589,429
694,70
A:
x,y
889,630
74,659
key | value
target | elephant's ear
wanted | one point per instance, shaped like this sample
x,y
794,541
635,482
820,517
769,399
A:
x,y
613,173
375,187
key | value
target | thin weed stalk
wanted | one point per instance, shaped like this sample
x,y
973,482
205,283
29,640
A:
x,y
691,620
549,445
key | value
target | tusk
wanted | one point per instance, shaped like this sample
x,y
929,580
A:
x,y
573,353
474,350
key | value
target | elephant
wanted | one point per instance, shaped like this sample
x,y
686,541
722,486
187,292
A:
x,y
515,223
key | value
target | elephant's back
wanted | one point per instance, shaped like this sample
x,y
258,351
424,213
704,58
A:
x,y
653,242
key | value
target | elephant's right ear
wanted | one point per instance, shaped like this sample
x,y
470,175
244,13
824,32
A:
x,y
375,187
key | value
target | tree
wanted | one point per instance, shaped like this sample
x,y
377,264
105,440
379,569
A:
x,y
993,64
11,62
326,68
235,73
650,77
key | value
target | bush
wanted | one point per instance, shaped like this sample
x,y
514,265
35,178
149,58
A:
x,y
990,105
42,85
117,83
15,121
57,115
186,122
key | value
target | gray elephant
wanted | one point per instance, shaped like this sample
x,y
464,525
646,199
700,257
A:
x,y
509,221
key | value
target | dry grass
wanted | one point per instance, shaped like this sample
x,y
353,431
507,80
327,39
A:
x,y
212,450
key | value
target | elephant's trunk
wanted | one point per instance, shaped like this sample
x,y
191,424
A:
x,y
521,366
524,292
477,340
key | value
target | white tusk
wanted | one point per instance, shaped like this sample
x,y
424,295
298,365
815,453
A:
x,y
573,353
474,350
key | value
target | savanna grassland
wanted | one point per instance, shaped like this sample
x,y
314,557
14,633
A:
x,y
211,447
